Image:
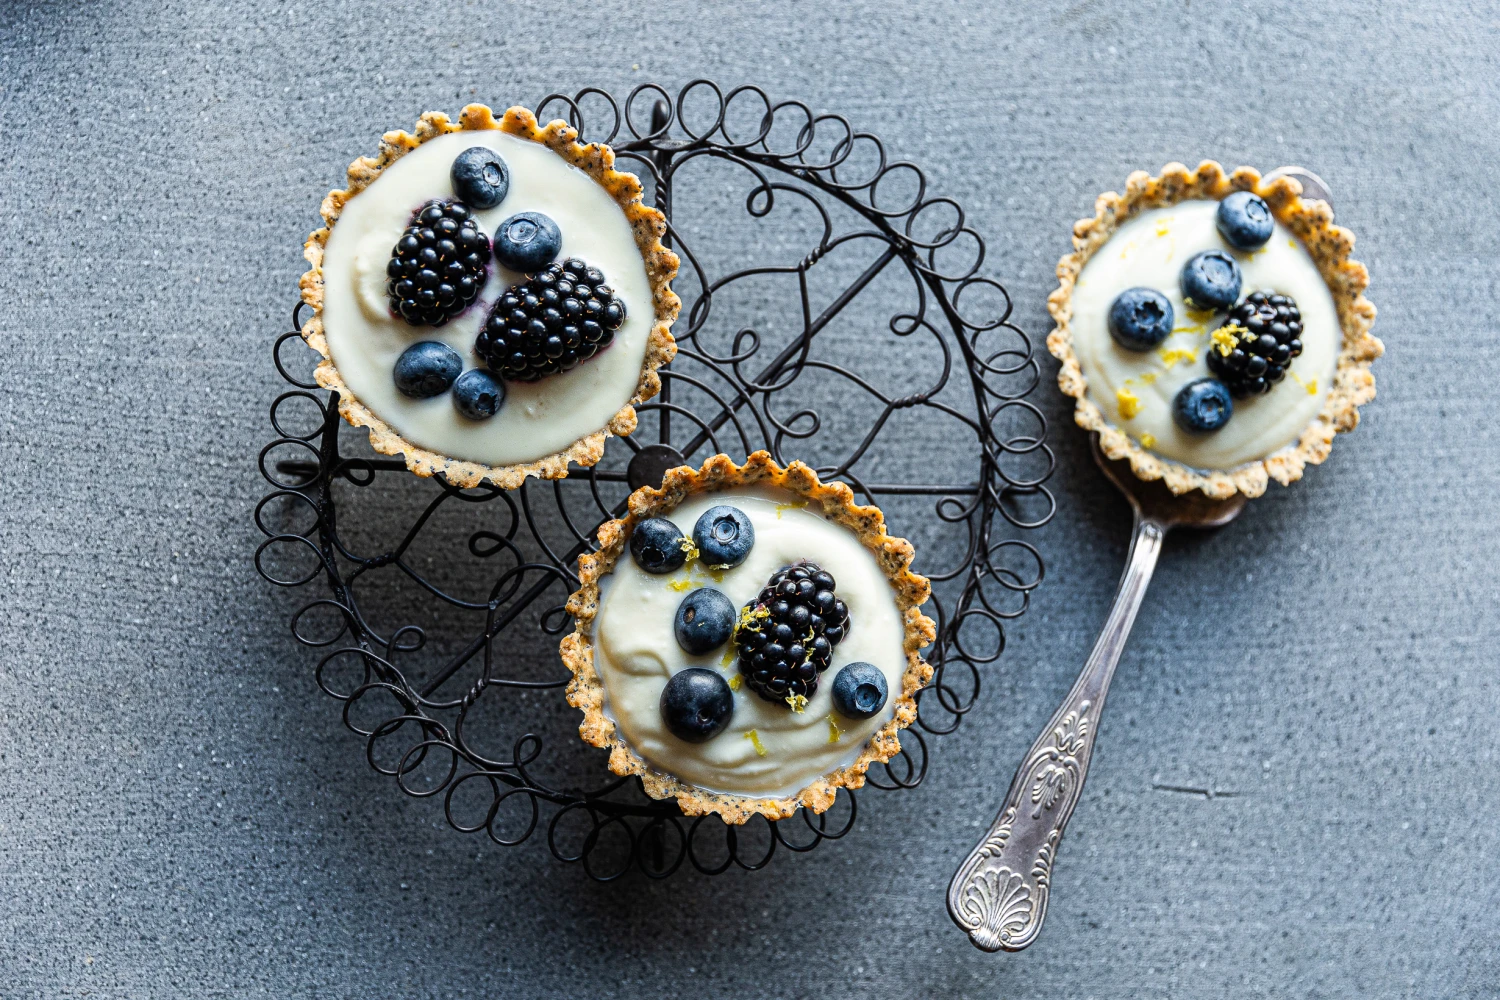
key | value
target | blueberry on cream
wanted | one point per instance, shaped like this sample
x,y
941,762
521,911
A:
x,y
723,536
1211,280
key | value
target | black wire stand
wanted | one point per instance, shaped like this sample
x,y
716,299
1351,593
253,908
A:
x,y
735,394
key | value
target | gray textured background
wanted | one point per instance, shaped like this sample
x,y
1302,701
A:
x,y
181,814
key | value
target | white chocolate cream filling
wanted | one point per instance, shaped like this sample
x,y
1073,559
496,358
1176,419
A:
x,y
767,749
538,418
1134,389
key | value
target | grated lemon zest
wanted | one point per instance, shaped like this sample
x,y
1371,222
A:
x,y
681,585
834,732
1130,403
1311,386
794,505
1199,316
1227,337
754,738
797,702
735,682
1171,355
728,657
750,615
1148,441
1147,377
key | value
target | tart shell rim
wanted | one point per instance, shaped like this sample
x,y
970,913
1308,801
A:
x,y
647,224
836,500
1328,245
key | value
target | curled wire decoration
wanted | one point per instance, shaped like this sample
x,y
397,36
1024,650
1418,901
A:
x,y
474,634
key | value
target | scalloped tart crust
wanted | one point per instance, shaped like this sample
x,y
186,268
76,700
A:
x,y
770,760
1143,238
543,425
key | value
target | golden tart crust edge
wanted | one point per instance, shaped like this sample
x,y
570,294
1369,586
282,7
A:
x,y
647,224
1329,246
836,501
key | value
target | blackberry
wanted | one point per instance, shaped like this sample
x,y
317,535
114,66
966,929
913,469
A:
x,y
561,316
438,267
787,634
1253,349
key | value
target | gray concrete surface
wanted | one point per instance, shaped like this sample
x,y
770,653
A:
x,y
181,814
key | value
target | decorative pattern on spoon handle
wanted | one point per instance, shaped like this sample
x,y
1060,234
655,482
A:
x,y
999,894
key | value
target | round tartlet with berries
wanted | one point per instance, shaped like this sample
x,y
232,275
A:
x,y
747,639
1213,329
491,297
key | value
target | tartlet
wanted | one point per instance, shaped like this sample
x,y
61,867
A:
x,y
564,418
620,670
1336,379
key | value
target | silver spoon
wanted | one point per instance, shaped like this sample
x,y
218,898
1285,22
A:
x,y
999,894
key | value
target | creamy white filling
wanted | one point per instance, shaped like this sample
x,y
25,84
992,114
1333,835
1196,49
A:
x,y
636,651
540,418
1150,250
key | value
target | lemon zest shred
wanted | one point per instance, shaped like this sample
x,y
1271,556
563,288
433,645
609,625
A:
x,y
1227,337
1148,441
794,505
1199,316
750,615
1292,243
735,682
1171,355
1147,378
834,732
1311,385
797,703
681,585
728,658
1130,403
754,738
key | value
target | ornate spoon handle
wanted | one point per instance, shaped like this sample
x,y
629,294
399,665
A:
x,y
999,894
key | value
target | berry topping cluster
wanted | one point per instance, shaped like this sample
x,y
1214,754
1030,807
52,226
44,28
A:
x,y
1256,344
783,640
561,316
438,267
1252,348
787,634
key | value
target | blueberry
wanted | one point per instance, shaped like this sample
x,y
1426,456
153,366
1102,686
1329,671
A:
x,y
527,242
1245,221
427,369
478,394
657,546
1140,318
723,536
705,620
1211,280
859,690
696,704
480,177
1202,405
